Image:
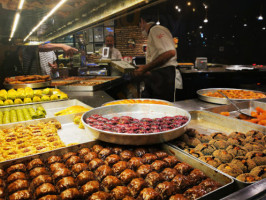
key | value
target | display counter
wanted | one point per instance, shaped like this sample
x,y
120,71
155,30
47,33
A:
x,y
220,77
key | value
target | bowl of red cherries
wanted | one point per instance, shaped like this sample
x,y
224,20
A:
x,y
136,124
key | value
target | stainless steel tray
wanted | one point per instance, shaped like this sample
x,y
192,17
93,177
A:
x,y
71,87
207,123
137,111
157,100
50,107
221,178
217,100
31,85
247,107
102,85
69,133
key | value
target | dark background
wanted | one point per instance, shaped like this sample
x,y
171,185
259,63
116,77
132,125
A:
x,y
224,39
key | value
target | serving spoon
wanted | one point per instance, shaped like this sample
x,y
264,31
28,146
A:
x,y
233,103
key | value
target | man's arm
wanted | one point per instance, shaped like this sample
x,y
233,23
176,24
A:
x,y
69,51
159,61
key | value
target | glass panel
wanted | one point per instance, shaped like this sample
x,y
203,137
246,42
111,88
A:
x,y
98,34
108,31
90,47
98,46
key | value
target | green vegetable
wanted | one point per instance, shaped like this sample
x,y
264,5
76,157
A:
x,y
1,117
33,114
13,116
26,114
6,117
20,115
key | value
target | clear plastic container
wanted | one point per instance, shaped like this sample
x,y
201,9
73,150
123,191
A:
x,y
201,63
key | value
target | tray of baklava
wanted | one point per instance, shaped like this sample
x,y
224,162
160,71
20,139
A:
x,y
96,170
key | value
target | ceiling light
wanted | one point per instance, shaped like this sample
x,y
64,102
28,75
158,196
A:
x,y
263,28
179,10
21,4
158,23
194,9
205,6
44,19
205,20
16,19
260,17
245,25
200,27
189,3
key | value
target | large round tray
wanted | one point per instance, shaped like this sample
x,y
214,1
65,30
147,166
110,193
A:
x,y
143,99
31,85
137,111
217,100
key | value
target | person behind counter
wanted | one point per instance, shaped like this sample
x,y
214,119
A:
x,y
48,58
114,53
160,75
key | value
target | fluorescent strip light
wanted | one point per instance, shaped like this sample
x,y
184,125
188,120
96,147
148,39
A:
x,y
21,4
44,19
16,19
15,23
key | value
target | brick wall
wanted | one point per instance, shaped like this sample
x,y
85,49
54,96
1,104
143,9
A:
x,y
123,34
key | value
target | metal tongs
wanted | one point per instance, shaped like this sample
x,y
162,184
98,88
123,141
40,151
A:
x,y
233,103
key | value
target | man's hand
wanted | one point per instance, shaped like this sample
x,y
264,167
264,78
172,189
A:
x,y
140,71
69,51
53,66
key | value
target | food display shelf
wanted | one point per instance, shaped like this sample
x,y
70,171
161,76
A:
x,y
217,100
31,85
223,179
206,123
136,111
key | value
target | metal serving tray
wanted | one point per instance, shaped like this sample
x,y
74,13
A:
x,y
50,107
214,174
142,101
136,111
246,107
217,100
206,123
69,133
31,85
102,84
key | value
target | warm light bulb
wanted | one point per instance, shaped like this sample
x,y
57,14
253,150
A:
x,y
205,20
245,25
189,3
179,10
176,7
158,22
200,27
260,17
193,9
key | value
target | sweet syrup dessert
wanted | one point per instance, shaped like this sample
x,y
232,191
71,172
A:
x,y
126,124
